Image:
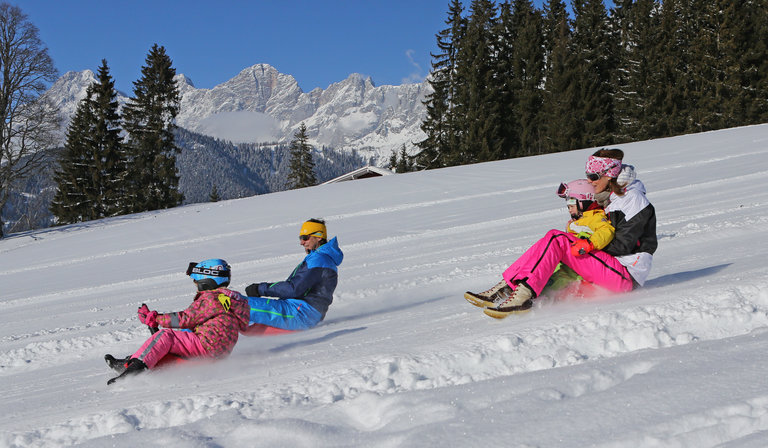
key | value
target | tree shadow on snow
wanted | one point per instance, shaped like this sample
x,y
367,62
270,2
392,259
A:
x,y
680,277
327,337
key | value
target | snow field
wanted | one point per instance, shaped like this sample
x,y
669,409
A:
x,y
402,359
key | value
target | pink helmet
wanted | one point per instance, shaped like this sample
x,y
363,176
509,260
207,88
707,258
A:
x,y
579,189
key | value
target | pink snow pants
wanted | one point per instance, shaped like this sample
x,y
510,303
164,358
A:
x,y
180,343
538,263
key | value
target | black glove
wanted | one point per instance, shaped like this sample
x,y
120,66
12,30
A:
x,y
252,290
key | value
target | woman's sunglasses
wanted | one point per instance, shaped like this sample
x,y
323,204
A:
x,y
594,177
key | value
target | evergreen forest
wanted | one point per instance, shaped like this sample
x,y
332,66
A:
x,y
511,80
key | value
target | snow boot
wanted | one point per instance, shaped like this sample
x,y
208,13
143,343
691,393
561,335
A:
x,y
519,301
487,298
133,367
117,364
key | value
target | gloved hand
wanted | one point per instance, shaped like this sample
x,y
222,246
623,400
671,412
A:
x,y
626,176
252,290
147,317
580,247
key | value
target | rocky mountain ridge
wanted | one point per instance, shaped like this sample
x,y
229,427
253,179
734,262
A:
x,y
261,104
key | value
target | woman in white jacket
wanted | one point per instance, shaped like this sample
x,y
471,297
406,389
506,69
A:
x,y
629,211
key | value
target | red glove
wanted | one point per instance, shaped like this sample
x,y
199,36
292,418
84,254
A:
x,y
147,317
581,247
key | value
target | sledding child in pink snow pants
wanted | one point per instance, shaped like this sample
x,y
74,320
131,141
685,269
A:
x,y
184,344
537,264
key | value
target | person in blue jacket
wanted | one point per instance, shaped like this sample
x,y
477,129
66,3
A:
x,y
303,298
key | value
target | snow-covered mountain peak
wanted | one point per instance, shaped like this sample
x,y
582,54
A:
x,y
183,80
262,104
68,90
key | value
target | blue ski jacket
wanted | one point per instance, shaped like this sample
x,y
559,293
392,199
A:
x,y
313,280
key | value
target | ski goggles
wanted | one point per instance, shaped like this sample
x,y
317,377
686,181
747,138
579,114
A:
x,y
193,269
594,177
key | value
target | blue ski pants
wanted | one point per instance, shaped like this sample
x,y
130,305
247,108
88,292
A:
x,y
288,314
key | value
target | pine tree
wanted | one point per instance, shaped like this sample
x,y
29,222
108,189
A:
x,y
592,44
439,125
509,84
478,110
561,132
76,193
89,182
111,157
393,160
403,163
668,109
214,196
636,25
705,95
743,46
302,167
754,57
528,74
152,178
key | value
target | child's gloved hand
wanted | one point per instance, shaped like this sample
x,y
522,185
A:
x,y
147,317
581,247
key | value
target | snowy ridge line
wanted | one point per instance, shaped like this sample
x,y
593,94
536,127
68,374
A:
x,y
549,344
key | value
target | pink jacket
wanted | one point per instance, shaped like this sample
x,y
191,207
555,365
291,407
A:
x,y
215,316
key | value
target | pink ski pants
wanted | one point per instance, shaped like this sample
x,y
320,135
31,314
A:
x,y
538,263
180,343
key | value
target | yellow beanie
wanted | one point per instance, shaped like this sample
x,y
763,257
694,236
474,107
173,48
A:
x,y
311,228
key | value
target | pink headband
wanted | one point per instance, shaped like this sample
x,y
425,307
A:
x,y
604,166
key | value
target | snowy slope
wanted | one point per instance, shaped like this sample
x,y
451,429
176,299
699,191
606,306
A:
x,y
402,359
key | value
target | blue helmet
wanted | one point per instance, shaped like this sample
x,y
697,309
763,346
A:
x,y
210,274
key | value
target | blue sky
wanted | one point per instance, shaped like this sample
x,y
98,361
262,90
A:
x,y
319,42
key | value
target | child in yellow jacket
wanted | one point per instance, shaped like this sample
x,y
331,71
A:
x,y
588,220
588,231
